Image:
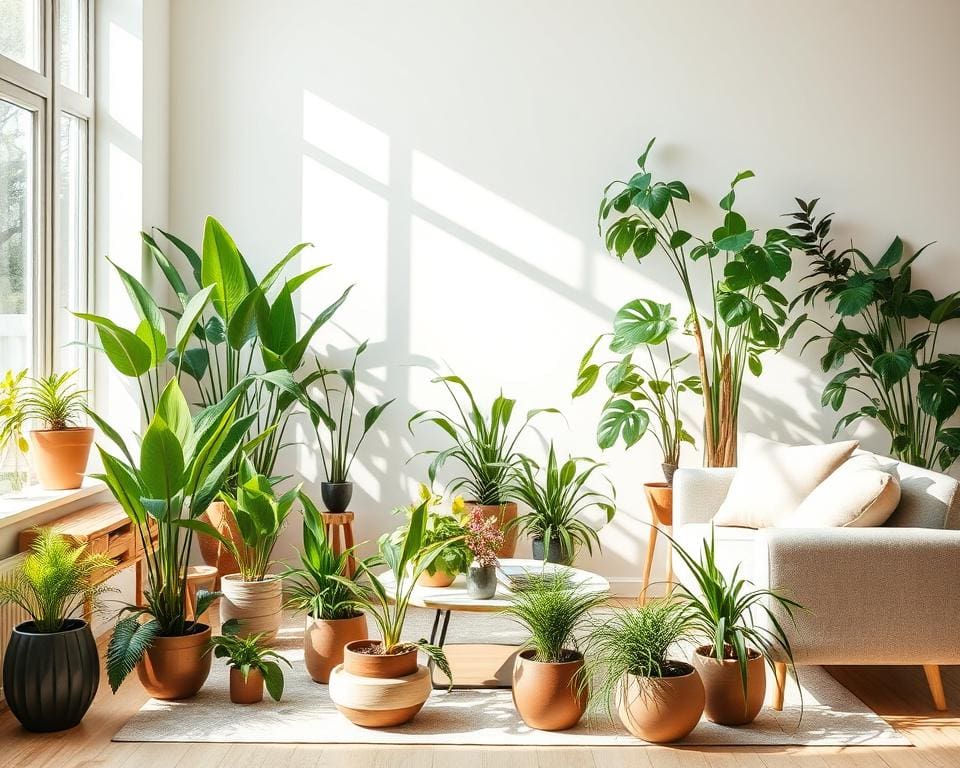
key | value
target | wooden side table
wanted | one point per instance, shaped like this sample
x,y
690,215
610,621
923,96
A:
x,y
339,530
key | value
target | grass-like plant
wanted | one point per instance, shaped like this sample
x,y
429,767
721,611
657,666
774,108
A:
x,y
321,586
248,654
441,528
552,609
54,580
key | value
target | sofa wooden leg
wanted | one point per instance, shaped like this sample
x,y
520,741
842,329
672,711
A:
x,y
780,672
935,683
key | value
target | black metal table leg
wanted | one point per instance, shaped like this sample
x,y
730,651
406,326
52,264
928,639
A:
x,y
433,632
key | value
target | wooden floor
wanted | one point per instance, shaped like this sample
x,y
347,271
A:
x,y
897,693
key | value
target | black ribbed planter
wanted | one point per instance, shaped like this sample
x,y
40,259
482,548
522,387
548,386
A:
x,y
50,679
336,496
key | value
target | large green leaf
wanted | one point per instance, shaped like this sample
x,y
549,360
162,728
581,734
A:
x,y
166,266
734,308
893,366
124,349
175,412
130,640
836,389
161,460
192,313
855,296
621,417
642,321
148,311
242,328
223,267
938,393
892,255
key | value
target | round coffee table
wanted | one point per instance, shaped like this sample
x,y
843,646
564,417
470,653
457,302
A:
x,y
448,600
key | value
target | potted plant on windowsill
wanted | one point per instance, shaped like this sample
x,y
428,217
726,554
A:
x,y
550,688
251,664
484,447
657,698
380,683
557,503
13,444
484,538
51,669
324,589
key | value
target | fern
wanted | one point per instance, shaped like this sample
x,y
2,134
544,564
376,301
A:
x,y
129,642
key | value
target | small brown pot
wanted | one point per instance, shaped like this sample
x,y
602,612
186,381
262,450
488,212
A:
x,y
249,691
661,709
725,703
324,641
176,667
439,579
213,552
548,696
660,501
504,513
257,605
377,665
60,456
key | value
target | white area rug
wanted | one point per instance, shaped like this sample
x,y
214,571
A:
x,y
832,715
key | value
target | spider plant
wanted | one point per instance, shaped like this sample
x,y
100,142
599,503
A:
x,y
54,580
248,654
53,400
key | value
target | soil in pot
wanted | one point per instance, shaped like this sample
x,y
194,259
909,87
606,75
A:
x,y
662,709
336,496
725,704
50,678
438,579
213,552
249,691
555,553
549,697
257,605
363,658
504,513
324,641
660,501
176,667
60,456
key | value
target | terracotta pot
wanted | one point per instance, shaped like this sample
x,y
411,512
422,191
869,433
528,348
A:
x,y
176,667
324,640
377,665
439,579
660,501
661,709
249,691
725,703
60,456
257,605
504,513
548,696
213,552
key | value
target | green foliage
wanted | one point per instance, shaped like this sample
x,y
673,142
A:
x,y
441,528
891,330
483,444
12,417
53,580
53,400
557,498
250,653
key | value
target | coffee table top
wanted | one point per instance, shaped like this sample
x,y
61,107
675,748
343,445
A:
x,y
455,598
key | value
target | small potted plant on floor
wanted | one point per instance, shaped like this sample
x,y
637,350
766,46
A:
x,y
337,422
657,698
51,669
380,683
484,538
251,664
484,447
731,664
557,502
550,689
443,528
324,589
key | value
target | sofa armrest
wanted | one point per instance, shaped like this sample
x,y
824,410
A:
x,y
698,493
871,595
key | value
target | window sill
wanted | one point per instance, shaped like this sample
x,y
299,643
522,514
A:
x,y
34,500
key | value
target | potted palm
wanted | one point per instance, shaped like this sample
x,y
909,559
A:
x,y
484,447
657,698
484,538
380,683
183,463
51,669
443,528
323,588
251,664
550,688
557,502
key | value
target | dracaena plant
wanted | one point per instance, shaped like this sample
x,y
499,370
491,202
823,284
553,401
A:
x,y
483,444
183,463
890,331
644,394
734,266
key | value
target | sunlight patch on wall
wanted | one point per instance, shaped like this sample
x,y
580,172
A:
x,y
345,137
125,79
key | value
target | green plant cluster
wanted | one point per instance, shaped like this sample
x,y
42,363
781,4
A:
x,y
249,654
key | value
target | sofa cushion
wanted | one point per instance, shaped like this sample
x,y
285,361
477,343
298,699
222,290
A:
x,y
859,494
734,547
773,479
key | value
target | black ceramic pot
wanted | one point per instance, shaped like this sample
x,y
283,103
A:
x,y
336,496
555,553
50,678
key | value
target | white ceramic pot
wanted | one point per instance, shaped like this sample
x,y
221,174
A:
x,y
374,702
257,605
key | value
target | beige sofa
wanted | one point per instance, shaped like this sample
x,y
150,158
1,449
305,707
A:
x,y
887,595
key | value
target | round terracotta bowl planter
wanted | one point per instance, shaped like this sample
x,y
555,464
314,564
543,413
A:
x,y
176,667
725,703
257,605
661,709
438,579
249,691
213,552
504,513
376,691
60,456
324,641
548,696
660,501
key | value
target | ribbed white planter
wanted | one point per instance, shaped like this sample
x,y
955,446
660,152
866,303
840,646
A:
x,y
375,702
257,605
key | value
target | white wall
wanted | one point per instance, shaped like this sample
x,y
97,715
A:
x,y
449,158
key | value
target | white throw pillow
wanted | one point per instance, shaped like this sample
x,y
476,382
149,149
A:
x,y
773,479
860,494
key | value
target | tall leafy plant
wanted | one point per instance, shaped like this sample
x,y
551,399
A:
x,y
890,331
734,266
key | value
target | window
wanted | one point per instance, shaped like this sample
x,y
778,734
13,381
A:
x,y
46,132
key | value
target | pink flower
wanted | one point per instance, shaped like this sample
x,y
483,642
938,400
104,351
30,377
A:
x,y
484,537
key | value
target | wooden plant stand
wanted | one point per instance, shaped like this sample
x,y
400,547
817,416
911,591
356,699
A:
x,y
334,526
